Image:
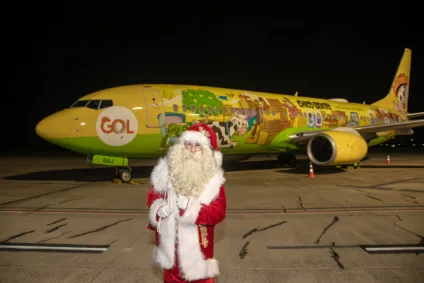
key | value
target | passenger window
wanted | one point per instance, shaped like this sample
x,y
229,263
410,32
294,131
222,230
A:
x,y
184,108
93,104
201,109
79,103
175,107
105,104
193,108
217,109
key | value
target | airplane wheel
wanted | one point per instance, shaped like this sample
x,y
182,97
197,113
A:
x,y
125,175
287,158
291,163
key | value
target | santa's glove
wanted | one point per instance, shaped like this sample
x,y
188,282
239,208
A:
x,y
182,202
164,211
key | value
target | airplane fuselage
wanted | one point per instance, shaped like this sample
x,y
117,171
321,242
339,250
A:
x,y
142,121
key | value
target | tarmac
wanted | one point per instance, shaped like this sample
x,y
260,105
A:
x,y
63,220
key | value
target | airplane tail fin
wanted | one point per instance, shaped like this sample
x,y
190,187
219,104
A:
x,y
398,95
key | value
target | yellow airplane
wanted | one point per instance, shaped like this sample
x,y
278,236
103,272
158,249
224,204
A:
x,y
142,121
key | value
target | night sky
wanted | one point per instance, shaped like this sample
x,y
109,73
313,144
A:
x,y
58,53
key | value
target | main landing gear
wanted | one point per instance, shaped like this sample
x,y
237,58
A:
x,y
123,175
287,158
349,167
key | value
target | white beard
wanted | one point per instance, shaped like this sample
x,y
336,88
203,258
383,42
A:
x,y
191,171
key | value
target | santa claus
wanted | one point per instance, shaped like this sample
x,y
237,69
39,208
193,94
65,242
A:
x,y
186,200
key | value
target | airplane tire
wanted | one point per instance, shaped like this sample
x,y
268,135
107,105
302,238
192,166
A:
x,y
289,159
125,175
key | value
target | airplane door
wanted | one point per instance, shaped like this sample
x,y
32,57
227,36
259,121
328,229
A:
x,y
155,112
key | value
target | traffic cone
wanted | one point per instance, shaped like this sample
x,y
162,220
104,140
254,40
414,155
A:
x,y
311,171
388,159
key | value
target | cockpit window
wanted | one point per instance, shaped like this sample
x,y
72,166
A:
x,y
93,104
80,103
106,103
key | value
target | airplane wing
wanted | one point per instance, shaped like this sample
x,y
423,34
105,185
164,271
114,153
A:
x,y
391,126
415,115
365,131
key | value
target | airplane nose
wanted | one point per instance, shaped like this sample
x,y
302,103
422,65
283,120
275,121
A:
x,y
61,125
42,128
51,127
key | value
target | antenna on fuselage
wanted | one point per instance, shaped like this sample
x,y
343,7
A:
x,y
296,93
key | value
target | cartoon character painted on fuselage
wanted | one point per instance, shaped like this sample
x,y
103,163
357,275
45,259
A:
x,y
401,90
225,130
314,119
354,119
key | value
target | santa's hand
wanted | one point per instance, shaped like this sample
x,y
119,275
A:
x,y
164,211
182,202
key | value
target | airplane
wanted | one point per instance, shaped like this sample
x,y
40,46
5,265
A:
x,y
114,125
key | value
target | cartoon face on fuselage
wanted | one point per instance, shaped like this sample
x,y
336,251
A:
x,y
401,91
402,95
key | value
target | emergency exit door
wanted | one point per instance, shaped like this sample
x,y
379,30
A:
x,y
155,112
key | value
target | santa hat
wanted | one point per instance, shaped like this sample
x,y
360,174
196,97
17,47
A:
x,y
203,134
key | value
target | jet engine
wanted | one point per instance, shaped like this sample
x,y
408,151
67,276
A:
x,y
340,146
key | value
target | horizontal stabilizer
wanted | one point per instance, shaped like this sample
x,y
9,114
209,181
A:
x,y
404,132
415,115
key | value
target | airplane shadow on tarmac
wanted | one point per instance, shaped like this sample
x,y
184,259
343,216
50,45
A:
x,y
107,173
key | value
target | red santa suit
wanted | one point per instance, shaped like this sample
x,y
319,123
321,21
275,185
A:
x,y
185,239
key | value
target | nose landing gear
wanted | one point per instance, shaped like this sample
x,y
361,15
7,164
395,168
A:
x,y
123,171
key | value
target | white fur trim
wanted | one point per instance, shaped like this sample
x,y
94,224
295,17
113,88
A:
x,y
218,157
191,213
164,254
194,136
159,176
154,210
193,264
212,188
208,195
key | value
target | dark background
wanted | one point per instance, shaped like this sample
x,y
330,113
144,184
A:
x,y
58,52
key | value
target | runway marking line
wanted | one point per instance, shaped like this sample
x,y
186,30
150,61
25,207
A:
x,y
53,247
240,212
